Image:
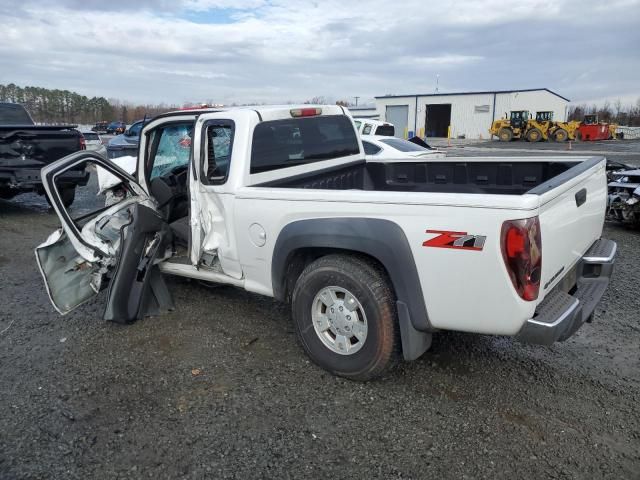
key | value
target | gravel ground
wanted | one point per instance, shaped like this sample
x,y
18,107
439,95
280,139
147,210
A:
x,y
220,389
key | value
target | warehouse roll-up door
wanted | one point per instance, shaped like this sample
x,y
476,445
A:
x,y
398,114
437,120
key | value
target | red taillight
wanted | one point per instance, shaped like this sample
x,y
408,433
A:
x,y
83,143
305,112
521,244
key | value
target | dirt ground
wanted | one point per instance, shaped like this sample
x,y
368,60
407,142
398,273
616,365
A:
x,y
219,388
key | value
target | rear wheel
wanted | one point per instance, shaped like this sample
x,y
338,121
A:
x,y
560,135
534,135
505,135
345,318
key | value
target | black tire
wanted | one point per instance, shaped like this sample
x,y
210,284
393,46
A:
x,y
368,283
67,195
560,135
505,135
534,135
7,194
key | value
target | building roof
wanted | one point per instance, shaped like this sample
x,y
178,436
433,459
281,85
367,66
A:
x,y
474,93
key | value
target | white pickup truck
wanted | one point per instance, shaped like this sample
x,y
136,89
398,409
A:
x,y
374,257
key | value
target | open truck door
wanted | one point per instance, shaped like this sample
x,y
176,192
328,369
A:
x,y
114,246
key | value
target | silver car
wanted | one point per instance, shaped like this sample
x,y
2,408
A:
x,y
94,143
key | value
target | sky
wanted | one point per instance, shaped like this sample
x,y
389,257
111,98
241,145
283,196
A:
x,y
275,51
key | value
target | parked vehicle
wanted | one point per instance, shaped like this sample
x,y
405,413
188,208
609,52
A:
x,y
127,143
374,127
93,142
591,129
624,196
100,127
381,148
374,257
116,128
25,148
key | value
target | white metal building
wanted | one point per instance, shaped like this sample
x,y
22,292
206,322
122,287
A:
x,y
364,111
470,114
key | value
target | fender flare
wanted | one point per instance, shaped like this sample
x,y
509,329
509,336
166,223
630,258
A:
x,y
381,239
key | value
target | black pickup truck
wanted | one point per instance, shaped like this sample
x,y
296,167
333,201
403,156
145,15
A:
x,y
25,148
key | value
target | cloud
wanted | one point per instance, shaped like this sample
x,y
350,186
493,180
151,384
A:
x,y
271,51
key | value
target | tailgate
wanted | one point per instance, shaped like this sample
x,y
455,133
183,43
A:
x,y
572,209
33,146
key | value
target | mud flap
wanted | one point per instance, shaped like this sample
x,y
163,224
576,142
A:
x,y
137,288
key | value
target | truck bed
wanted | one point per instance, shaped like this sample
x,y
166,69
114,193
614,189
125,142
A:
x,y
483,175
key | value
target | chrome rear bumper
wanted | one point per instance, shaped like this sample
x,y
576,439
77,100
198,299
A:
x,y
561,314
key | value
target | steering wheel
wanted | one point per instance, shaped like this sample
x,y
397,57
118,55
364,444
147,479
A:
x,y
170,188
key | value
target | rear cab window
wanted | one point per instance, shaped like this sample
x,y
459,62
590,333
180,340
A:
x,y
386,130
14,114
286,143
90,136
403,145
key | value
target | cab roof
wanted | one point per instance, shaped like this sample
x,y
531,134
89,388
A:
x,y
267,112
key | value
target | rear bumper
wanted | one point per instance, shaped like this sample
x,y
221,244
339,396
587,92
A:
x,y
561,313
26,179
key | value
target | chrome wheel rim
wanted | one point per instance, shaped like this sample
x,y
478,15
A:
x,y
339,320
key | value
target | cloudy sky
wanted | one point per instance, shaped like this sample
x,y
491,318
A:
x,y
177,51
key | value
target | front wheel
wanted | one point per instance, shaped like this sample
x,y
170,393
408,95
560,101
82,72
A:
x,y
534,135
505,135
345,318
560,135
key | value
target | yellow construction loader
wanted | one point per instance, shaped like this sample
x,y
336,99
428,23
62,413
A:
x,y
520,125
512,128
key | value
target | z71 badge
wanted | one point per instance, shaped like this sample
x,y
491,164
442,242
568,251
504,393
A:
x,y
459,240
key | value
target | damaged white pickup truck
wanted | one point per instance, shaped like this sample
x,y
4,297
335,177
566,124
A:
x,y
373,257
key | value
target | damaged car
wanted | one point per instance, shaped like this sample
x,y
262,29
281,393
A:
x,y
624,197
282,201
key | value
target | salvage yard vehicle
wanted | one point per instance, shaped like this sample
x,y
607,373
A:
x,y
377,147
116,128
375,127
624,196
26,147
93,142
127,142
100,127
374,257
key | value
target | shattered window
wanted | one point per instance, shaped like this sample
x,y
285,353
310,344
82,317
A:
x,y
174,149
219,143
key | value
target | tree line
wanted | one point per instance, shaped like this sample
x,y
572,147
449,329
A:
x,y
64,106
57,106
627,115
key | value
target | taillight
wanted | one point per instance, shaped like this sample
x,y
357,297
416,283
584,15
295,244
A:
x,y
521,245
305,112
83,143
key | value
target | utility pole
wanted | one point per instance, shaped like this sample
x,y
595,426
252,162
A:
x,y
437,82
356,100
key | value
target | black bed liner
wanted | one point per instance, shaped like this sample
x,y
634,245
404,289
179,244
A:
x,y
451,176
